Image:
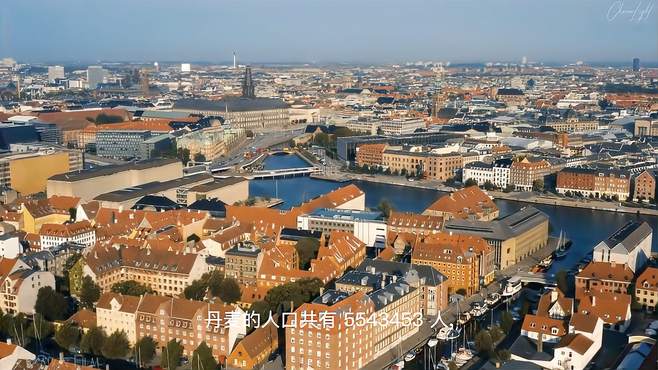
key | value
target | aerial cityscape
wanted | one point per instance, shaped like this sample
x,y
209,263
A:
x,y
328,185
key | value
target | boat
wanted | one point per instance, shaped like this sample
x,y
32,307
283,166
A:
x,y
409,356
398,365
546,262
562,246
512,288
463,355
447,333
478,310
492,299
463,318
432,342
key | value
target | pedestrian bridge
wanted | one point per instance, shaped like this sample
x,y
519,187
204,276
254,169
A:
x,y
276,174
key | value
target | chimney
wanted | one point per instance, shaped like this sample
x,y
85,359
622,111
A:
x,y
61,357
540,342
8,340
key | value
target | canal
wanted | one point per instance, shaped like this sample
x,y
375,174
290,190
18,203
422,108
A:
x,y
584,227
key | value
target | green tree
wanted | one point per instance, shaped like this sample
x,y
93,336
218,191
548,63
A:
x,y
183,154
504,355
484,343
278,298
67,336
506,321
105,118
199,157
93,340
144,351
470,182
72,213
385,207
90,292
196,290
171,355
562,280
496,333
215,283
307,249
452,365
40,329
488,185
131,287
229,291
202,358
538,185
116,346
51,304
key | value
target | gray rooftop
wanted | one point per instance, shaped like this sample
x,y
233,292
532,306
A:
x,y
400,269
630,235
151,188
502,228
229,104
110,170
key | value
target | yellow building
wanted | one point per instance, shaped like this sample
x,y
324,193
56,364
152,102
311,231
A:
x,y
27,173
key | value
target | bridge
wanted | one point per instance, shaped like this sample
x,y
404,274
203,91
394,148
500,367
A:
x,y
275,174
533,277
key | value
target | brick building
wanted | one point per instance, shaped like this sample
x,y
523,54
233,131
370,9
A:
x,y
594,182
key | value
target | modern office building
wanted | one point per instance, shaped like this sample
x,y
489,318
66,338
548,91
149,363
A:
x,y
95,75
27,172
124,144
636,64
369,227
55,73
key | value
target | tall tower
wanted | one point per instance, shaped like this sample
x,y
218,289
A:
x,y
235,61
248,87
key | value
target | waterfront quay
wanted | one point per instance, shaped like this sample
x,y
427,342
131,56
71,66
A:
x,y
449,315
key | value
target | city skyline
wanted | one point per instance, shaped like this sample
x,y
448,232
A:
x,y
365,32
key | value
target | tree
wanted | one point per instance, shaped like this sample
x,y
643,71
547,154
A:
x,y
506,321
93,340
17,328
562,281
116,346
278,298
385,207
215,283
509,188
484,343
504,355
196,290
72,213
40,328
202,358
461,291
105,118
90,292
50,304
470,182
199,157
144,351
229,291
538,185
452,365
307,249
496,333
131,287
488,185
171,355
67,336
183,154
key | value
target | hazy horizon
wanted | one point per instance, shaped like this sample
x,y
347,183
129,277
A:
x,y
330,32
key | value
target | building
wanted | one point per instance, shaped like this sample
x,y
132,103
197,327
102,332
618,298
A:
x,y
90,183
254,349
55,73
19,286
121,144
646,289
470,203
467,261
573,125
166,272
11,354
646,127
251,113
207,142
523,173
636,64
28,172
370,154
630,245
513,237
413,223
422,163
594,182
369,227
95,75
227,190
644,186
174,190
614,309
603,277
116,312
242,263
401,126
54,235
346,146
10,246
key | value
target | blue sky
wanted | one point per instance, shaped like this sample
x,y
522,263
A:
x,y
367,31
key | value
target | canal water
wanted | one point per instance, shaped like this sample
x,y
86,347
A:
x,y
584,227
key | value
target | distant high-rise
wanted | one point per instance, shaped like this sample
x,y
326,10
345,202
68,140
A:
x,y
248,87
636,64
235,61
186,67
524,60
95,75
55,72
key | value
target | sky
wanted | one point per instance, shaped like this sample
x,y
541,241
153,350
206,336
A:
x,y
329,31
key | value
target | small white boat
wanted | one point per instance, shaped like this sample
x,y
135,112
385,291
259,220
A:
x,y
492,299
650,332
432,342
409,356
512,288
398,365
463,354
546,262
447,333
